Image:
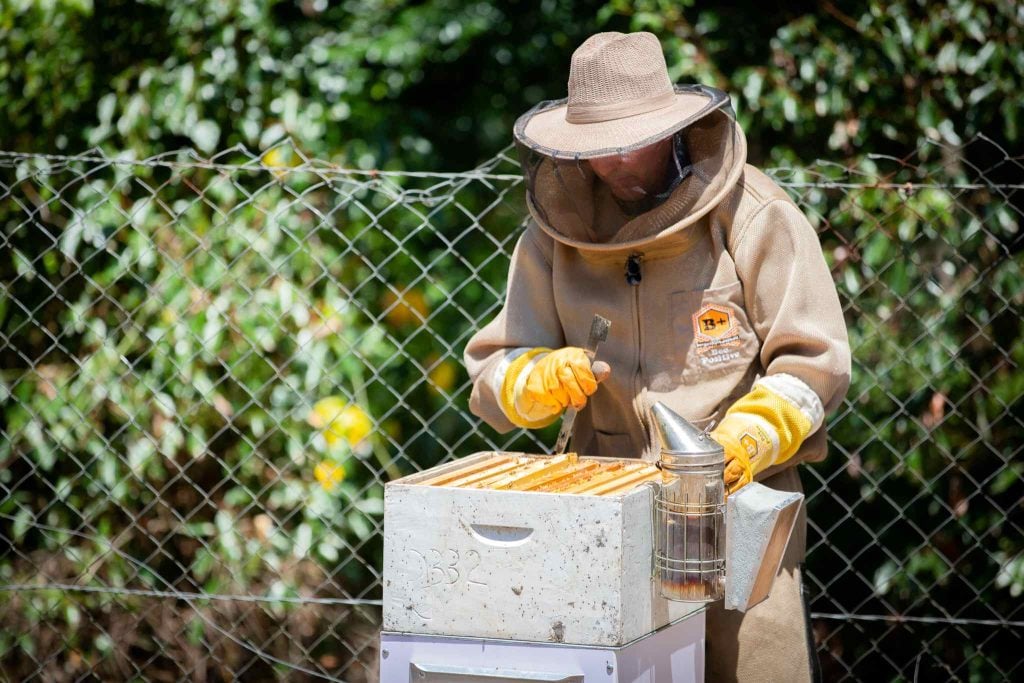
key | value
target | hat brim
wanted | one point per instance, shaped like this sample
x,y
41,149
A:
x,y
545,129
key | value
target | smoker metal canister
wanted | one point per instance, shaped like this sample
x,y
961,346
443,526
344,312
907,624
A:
x,y
689,511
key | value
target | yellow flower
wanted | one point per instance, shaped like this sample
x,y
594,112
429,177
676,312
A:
x,y
408,309
442,376
329,475
341,420
277,159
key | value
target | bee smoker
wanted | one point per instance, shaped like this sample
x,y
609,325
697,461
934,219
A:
x,y
707,548
689,511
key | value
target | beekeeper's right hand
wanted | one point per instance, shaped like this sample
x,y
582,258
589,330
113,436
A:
x,y
541,383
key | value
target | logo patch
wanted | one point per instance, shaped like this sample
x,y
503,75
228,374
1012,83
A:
x,y
715,332
713,322
758,444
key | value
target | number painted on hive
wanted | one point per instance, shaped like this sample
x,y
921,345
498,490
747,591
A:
x,y
445,568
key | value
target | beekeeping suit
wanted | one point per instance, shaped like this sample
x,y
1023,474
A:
x,y
721,304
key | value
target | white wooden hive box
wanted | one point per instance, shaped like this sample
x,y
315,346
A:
x,y
520,565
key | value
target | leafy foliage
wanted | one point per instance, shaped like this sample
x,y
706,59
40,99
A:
x,y
192,350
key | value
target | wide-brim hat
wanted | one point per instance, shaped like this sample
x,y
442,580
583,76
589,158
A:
x,y
620,98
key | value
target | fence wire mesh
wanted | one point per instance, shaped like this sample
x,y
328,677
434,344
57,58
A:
x,y
210,367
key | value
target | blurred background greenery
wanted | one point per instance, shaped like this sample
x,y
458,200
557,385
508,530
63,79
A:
x,y
436,85
209,370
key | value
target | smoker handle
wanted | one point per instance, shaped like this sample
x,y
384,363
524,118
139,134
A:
x,y
439,673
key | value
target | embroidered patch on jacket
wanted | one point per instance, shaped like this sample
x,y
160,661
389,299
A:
x,y
715,334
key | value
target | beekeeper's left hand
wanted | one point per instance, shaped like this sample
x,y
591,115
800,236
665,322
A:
x,y
766,427
739,470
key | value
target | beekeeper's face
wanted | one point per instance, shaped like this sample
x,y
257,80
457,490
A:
x,y
634,175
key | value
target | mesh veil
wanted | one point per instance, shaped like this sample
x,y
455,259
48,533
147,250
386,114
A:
x,y
623,194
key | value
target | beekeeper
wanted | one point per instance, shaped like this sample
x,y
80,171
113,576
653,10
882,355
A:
x,y
643,209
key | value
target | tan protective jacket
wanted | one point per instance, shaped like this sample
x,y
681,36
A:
x,y
728,293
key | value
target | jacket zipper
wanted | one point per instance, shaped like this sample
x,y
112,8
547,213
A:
x,y
634,276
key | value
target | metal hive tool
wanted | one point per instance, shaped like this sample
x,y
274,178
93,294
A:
x,y
599,327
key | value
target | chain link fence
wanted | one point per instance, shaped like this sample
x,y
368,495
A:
x,y
210,367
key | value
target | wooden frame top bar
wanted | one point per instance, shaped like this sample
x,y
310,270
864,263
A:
x,y
568,473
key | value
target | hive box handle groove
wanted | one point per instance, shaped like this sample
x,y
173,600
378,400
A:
x,y
501,536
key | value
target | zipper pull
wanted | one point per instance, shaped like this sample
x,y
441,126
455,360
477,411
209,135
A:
x,y
633,275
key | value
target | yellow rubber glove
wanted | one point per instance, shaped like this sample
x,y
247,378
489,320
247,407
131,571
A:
x,y
542,382
766,427
739,459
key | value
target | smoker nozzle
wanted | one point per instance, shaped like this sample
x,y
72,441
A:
x,y
681,442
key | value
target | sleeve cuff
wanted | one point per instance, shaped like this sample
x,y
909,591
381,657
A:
x,y
799,394
512,377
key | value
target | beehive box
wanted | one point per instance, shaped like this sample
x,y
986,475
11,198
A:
x,y
471,550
